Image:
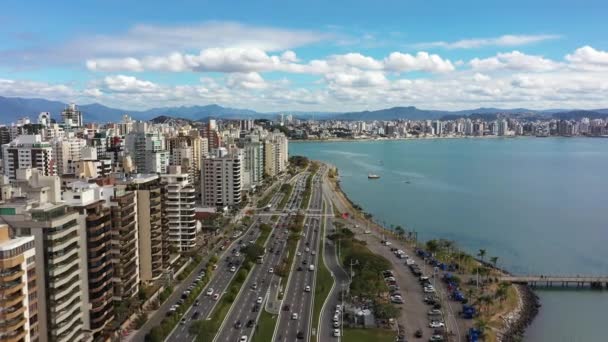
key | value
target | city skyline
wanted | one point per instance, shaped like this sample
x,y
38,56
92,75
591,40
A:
x,y
298,57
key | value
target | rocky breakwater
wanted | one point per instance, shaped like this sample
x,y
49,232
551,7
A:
x,y
518,320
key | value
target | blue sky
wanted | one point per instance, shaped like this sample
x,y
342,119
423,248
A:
x,y
307,55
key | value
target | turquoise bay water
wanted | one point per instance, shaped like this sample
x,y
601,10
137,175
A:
x,y
538,204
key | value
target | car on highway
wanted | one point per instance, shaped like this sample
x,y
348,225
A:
x,y
250,323
336,318
436,338
299,254
436,324
271,270
259,300
299,268
336,324
183,321
294,316
286,307
313,253
216,296
209,291
238,325
254,286
243,338
307,288
232,269
336,332
300,335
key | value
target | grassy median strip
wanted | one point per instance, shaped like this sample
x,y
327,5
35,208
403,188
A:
x,y
368,335
323,284
207,329
265,328
307,192
287,189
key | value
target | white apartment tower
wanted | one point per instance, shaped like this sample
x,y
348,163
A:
x,y
222,178
72,117
178,209
28,151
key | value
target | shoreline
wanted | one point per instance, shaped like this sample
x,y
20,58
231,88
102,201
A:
x,y
347,140
515,322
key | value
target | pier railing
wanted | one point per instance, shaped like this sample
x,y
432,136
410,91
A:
x,y
543,280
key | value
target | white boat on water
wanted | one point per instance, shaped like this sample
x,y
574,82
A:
x,y
372,176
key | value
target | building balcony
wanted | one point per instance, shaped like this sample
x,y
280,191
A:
x,y
9,314
11,275
10,300
8,288
12,325
13,336
66,327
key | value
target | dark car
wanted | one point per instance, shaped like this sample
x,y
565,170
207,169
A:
x,y
418,333
286,307
195,315
237,325
256,308
299,268
304,262
300,335
250,323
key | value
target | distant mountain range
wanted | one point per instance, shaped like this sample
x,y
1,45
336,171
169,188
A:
x,y
14,108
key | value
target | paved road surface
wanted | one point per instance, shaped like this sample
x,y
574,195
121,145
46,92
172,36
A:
x,y
245,311
296,298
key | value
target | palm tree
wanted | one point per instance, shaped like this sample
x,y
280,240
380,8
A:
x,y
399,230
494,260
481,254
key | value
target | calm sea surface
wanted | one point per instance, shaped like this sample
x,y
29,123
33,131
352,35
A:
x,y
539,204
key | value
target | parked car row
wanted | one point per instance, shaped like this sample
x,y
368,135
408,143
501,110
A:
x,y
391,282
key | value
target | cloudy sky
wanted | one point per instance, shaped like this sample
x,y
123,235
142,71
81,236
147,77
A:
x,y
307,55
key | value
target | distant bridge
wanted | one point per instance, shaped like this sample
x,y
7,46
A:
x,y
564,281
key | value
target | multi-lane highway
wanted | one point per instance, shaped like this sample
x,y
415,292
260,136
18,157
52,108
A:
x,y
245,310
294,320
211,294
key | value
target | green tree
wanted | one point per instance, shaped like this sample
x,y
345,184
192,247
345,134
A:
x,y
494,260
481,254
400,231
432,246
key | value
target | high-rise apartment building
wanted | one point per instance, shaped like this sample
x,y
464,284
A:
x,y
125,242
18,289
275,153
147,149
72,117
62,289
88,200
253,163
66,152
178,209
222,178
153,249
28,151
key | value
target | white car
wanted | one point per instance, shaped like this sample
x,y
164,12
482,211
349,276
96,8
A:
x,y
436,324
271,270
307,288
307,249
299,253
243,338
336,332
237,254
232,269
313,253
338,307
336,324
259,301
294,315
336,318
429,289
210,292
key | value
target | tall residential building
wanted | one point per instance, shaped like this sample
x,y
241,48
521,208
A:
x,y
178,209
503,127
18,290
222,178
147,149
28,151
62,290
152,247
72,117
275,153
66,152
253,164
125,242
88,200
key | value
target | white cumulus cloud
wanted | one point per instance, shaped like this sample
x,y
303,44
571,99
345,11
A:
x,y
504,40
